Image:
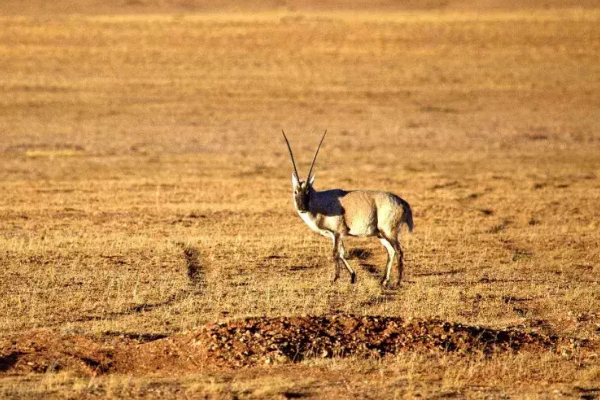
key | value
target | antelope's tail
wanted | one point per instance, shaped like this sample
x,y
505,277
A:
x,y
407,217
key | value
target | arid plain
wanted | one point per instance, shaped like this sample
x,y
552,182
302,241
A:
x,y
145,189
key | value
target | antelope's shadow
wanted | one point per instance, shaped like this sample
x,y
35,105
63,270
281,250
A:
x,y
362,255
358,253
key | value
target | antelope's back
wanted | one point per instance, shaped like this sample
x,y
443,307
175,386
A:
x,y
360,212
367,212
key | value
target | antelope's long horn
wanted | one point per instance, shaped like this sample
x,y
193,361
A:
x,y
291,155
315,158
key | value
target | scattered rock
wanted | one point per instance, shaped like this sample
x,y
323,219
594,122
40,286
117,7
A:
x,y
342,335
265,340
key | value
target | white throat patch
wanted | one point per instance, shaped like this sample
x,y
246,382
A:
x,y
309,220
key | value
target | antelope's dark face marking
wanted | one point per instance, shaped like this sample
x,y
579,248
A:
x,y
302,192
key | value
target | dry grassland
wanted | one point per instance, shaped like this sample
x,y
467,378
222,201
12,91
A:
x,y
145,188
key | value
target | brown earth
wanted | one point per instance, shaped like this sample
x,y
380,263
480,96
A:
x,y
41,7
263,340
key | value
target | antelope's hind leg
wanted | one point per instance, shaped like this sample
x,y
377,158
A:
x,y
400,255
391,252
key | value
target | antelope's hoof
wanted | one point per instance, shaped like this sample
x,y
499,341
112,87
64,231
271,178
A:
x,y
384,282
353,278
335,278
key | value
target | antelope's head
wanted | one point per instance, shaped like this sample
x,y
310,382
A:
x,y
302,189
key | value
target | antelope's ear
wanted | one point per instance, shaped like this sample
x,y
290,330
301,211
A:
x,y
311,180
295,180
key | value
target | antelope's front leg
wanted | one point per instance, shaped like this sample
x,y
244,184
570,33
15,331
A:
x,y
336,263
342,253
336,254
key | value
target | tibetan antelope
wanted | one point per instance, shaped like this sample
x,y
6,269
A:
x,y
337,213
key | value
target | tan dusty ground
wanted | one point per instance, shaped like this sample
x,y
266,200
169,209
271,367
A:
x,y
44,7
145,188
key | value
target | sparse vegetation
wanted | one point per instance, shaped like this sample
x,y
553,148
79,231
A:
x,y
145,189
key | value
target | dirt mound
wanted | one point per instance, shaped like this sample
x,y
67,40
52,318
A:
x,y
263,340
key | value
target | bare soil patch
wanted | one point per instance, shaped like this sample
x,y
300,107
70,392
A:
x,y
263,340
